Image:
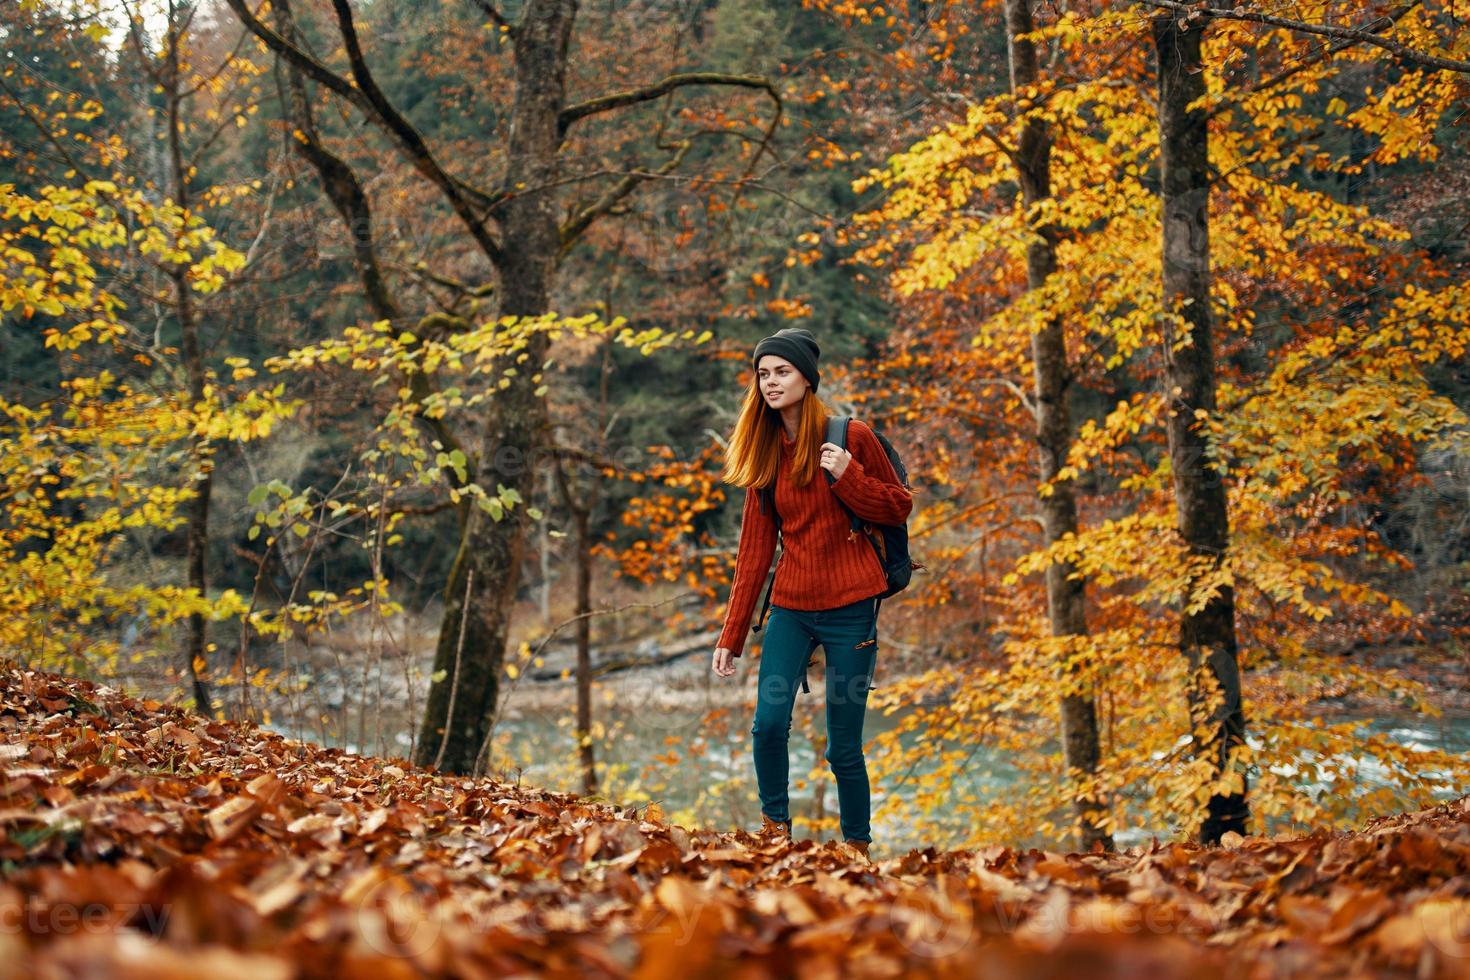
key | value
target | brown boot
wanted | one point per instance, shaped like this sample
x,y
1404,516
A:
x,y
861,846
771,827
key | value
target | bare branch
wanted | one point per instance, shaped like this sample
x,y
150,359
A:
x,y
561,451
610,202
339,181
145,60
1357,34
409,139
615,194
648,93
1021,394
426,509
43,129
265,218
490,10
345,191
363,93
462,290
1326,54
300,58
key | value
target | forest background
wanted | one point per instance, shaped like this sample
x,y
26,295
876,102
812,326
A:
x,y
366,371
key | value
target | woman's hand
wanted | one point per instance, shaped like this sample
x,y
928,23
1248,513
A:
x,y
724,662
835,459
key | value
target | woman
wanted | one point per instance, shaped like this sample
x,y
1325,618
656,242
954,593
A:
x,y
827,580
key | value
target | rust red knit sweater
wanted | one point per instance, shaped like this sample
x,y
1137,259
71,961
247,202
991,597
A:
x,y
822,565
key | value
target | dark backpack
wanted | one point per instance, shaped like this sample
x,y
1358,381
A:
x,y
889,541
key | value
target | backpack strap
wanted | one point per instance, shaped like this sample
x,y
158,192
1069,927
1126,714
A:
x,y
761,620
837,434
768,494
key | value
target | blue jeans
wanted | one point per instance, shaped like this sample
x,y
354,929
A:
x,y
790,637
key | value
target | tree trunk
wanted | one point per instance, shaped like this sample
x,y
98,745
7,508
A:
x,y
584,654
196,553
515,430
1064,594
581,511
1207,638
545,544
196,639
582,520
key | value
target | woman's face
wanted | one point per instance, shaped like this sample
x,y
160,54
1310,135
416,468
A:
x,y
781,384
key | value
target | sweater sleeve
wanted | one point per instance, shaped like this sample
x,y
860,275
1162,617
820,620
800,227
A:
x,y
752,561
869,484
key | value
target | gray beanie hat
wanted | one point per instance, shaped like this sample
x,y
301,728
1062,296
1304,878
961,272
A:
x,y
798,346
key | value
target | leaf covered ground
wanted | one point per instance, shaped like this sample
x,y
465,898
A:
x,y
137,840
